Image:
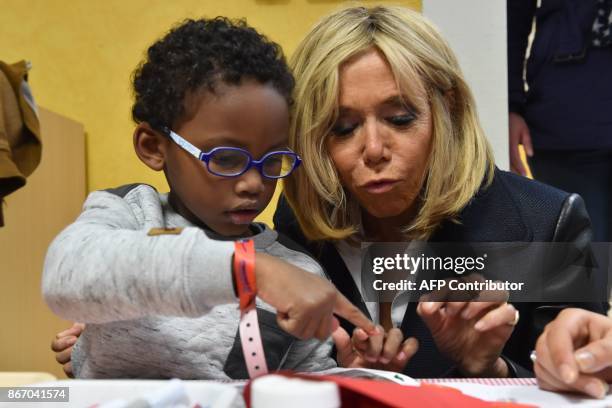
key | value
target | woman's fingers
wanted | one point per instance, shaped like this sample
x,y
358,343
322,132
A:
x,y
558,352
409,348
454,308
504,315
476,308
392,345
374,346
584,383
344,347
595,356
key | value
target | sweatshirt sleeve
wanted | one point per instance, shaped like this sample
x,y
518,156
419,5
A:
x,y
104,267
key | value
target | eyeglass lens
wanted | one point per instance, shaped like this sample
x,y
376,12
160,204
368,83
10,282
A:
x,y
228,162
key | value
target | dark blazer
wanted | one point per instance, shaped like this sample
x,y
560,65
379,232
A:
x,y
512,208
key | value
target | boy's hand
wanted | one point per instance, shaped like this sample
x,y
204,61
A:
x,y
62,346
384,351
305,303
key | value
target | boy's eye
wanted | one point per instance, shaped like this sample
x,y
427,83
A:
x,y
229,160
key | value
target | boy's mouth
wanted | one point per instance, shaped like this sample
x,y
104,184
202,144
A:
x,y
242,215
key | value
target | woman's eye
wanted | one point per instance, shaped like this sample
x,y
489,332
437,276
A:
x,y
401,120
343,129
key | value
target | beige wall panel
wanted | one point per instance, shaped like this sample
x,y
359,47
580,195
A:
x,y
34,215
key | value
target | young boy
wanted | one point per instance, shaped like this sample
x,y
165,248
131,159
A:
x,y
150,273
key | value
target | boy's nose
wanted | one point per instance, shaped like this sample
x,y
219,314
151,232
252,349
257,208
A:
x,y
250,183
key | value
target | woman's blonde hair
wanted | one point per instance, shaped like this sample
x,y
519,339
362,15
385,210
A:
x,y
460,160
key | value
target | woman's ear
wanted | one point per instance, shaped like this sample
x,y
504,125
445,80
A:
x,y
151,146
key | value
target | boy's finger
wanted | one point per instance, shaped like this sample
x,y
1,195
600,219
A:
x,y
63,343
64,357
350,312
291,325
71,331
68,370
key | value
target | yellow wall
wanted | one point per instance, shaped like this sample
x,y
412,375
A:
x,y
84,51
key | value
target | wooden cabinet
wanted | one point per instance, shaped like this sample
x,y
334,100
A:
x,y
34,215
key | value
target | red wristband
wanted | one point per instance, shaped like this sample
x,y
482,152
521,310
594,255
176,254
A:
x,y
244,272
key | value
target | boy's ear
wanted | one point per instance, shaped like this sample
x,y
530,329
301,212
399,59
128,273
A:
x,y
151,146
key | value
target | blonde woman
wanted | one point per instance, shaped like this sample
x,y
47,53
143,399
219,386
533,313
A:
x,y
392,151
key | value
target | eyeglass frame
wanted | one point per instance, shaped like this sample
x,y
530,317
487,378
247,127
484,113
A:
x,y
205,156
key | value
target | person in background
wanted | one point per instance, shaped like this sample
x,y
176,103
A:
x,y
563,119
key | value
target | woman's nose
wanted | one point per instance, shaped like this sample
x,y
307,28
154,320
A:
x,y
374,149
251,182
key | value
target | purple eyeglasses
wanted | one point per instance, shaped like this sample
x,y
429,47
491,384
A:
x,y
234,161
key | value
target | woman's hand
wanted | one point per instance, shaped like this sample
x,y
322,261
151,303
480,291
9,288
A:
x,y
305,303
62,346
574,353
384,351
472,334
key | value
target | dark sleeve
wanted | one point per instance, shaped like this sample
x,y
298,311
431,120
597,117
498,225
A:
x,y
519,15
572,225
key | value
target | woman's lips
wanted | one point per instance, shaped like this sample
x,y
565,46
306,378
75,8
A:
x,y
242,216
380,186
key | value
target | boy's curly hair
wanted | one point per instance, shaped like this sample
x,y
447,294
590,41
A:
x,y
203,53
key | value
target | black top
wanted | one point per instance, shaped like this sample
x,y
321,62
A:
x,y
512,208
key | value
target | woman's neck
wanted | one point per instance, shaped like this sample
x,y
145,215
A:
x,y
386,229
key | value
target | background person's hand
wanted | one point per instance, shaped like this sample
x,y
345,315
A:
x,y
62,346
574,353
519,135
472,334
305,302
384,351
